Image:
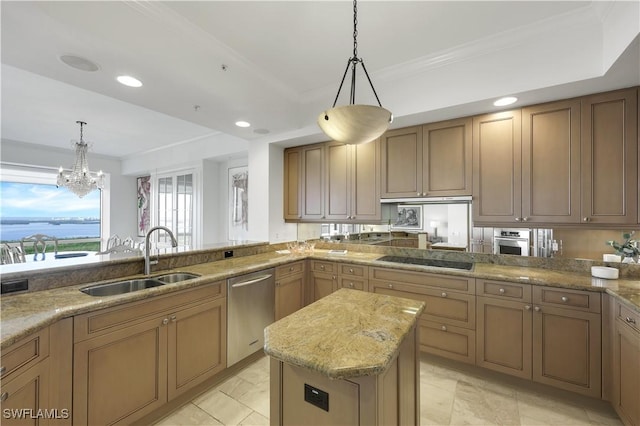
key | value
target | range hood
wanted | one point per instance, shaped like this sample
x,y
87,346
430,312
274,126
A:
x,y
428,200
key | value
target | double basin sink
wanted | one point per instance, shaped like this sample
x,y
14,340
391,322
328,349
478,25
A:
x,y
128,286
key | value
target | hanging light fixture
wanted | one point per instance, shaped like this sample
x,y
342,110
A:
x,y
355,124
79,179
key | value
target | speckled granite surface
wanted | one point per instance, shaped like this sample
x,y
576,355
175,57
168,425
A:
x,y
349,333
22,314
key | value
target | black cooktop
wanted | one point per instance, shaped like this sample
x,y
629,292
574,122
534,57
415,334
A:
x,y
428,262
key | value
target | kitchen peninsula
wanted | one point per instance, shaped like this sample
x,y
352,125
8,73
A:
x,y
350,358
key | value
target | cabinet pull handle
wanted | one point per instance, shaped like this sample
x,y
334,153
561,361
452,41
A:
x,y
165,321
444,294
444,328
501,291
277,283
527,307
565,299
537,309
630,320
173,318
4,396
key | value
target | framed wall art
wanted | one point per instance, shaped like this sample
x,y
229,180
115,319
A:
x,y
409,217
238,203
144,204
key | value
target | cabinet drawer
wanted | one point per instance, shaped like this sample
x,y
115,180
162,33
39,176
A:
x,y
451,308
107,320
25,353
354,283
573,299
449,283
322,266
354,271
290,269
448,341
628,316
510,291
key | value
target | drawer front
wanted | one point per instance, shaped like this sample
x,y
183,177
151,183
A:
x,y
587,301
107,320
354,283
448,282
25,353
628,316
504,290
448,341
290,269
447,307
323,266
354,271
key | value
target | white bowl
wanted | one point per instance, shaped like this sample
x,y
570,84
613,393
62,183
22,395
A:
x,y
604,272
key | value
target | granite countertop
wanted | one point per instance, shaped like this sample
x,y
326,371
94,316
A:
x,y
349,333
23,314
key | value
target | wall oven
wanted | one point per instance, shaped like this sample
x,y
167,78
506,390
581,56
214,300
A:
x,y
511,241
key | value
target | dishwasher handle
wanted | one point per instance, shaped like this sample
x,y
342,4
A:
x,y
253,281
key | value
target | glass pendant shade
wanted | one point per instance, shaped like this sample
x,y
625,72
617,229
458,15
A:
x,y
355,124
79,179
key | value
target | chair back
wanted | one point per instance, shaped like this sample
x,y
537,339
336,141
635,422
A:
x,y
40,242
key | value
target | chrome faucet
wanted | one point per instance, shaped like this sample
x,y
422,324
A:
x,y
147,247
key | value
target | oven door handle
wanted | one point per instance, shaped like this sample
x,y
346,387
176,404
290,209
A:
x,y
253,281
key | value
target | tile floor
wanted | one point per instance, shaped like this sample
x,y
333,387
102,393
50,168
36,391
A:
x,y
450,394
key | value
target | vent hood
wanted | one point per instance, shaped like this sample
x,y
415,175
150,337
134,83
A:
x,y
429,200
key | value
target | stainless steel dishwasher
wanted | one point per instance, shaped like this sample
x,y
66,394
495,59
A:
x,y
250,308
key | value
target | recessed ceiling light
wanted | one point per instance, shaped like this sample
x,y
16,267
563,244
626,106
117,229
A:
x,y
127,80
242,124
505,101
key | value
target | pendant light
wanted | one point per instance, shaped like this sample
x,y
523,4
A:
x,y
355,124
79,179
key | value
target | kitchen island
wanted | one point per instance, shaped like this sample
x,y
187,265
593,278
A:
x,y
349,358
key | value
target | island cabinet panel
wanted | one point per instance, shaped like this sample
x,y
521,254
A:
x,y
290,286
292,189
401,163
610,158
446,152
626,364
126,366
497,167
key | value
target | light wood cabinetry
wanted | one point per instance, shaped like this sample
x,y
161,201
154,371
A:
x,y
626,364
447,325
292,179
312,182
290,280
353,182
353,276
610,158
323,279
154,349
401,163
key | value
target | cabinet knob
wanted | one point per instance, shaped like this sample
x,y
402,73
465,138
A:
x,y
291,269
3,369
444,328
418,194
518,219
390,285
424,194
537,309
4,396
165,321
565,299
585,219
322,267
501,291
630,320
527,307
351,285
173,318
351,270
444,294
525,219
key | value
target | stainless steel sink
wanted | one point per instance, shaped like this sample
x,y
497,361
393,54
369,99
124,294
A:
x,y
121,287
176,277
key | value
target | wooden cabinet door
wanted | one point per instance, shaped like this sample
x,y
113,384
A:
x,y
497,173
292,179
504,336
567,349
626,373
323,284
365,182
401,163
197,345
610,158
289,295
25,394
121,376
550,163
337,189
312,191
446,158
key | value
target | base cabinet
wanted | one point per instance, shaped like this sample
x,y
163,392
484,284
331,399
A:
x,y
323,279
626,365
290,280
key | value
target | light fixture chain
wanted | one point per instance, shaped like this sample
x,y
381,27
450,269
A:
x,y
355,29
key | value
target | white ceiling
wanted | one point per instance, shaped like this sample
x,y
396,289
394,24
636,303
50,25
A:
x,y
428,61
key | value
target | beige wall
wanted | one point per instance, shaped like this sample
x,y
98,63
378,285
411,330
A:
x,y
588,244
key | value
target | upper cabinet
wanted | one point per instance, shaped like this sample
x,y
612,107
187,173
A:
x,y
291,178
427,161
610,158
304,182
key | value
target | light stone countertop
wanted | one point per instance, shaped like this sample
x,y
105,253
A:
x,y
349,333
23,314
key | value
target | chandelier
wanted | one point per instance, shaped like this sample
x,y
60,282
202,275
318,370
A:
x,y
79,179
355,124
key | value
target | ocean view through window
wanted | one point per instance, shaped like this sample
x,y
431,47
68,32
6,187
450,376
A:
x,y
34,208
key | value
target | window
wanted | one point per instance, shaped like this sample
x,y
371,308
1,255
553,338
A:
x,y
175,205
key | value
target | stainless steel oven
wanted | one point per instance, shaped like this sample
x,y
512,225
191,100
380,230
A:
x,y
511,241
